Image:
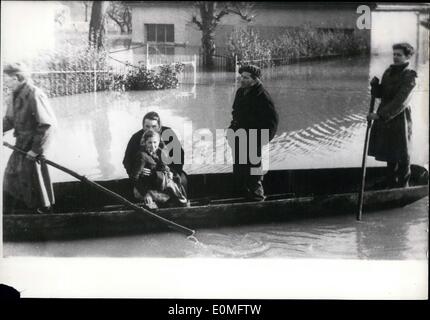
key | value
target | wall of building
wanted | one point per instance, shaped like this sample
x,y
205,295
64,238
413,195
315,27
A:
x,y
270,20
178,15
389,27
328,17
423,39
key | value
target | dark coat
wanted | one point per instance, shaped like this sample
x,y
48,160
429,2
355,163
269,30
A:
x,y
157,180
391,133
253,110
133,148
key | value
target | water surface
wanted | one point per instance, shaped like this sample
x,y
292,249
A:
x,y
322,107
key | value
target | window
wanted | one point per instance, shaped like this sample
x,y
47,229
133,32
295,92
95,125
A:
x,y
160,32
150,32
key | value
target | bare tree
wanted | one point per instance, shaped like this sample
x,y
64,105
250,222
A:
x,y
120,13
210,14
97,30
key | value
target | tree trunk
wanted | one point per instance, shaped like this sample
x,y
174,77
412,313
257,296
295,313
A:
x,y
97,30
207,12
208,47
127,19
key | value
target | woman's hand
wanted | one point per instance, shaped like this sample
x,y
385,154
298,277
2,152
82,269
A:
x,y
31,155
146,172
372,116
374,81
170,175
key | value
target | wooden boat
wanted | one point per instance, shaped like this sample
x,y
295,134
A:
x,y
82,212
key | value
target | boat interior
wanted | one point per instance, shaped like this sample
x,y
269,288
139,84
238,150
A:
x,y
218,188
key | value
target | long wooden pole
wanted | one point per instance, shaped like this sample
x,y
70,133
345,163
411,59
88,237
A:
x,y
363,165
114,195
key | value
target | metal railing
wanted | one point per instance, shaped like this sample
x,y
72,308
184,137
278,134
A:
x,y
68,82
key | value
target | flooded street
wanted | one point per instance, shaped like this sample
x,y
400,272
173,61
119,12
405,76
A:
x,y
322,107
386,235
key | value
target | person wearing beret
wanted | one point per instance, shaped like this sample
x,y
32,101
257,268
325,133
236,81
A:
x,y
26,182
253,108
392,129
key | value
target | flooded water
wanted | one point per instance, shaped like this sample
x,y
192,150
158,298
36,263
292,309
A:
x,y
322,107
386,235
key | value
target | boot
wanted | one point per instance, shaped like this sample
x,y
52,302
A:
x,y
44,210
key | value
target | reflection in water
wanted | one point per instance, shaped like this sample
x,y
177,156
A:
x,y
102,141
387,235
382,235
322,108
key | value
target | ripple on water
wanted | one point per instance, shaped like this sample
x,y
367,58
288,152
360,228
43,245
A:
x,y
238,246
322,108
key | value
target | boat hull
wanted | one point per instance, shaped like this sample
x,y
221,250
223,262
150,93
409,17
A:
x,y
41,227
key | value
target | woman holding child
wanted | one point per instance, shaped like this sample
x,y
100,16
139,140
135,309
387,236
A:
x,y
153,181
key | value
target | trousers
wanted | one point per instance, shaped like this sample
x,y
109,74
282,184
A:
x,y
247,184
399,174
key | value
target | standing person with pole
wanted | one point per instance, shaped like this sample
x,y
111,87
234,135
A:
x,y
391,133
26,181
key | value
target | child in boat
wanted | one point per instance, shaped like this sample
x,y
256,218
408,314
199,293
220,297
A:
x,y
153,181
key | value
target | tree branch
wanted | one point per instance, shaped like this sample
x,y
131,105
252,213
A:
x,y
196,22
222,13
243,10
114,19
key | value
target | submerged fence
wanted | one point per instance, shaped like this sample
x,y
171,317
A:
x,y
69,82
221,63
280,61
190,62
61,83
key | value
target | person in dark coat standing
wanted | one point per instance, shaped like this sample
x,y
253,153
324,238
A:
x,y
253,108
391,132
152,121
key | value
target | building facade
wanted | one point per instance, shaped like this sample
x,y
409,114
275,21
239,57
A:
x,y
169,23
401,23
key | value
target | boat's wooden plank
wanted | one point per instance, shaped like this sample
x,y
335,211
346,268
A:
x,y
207,201
117,222
72,196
